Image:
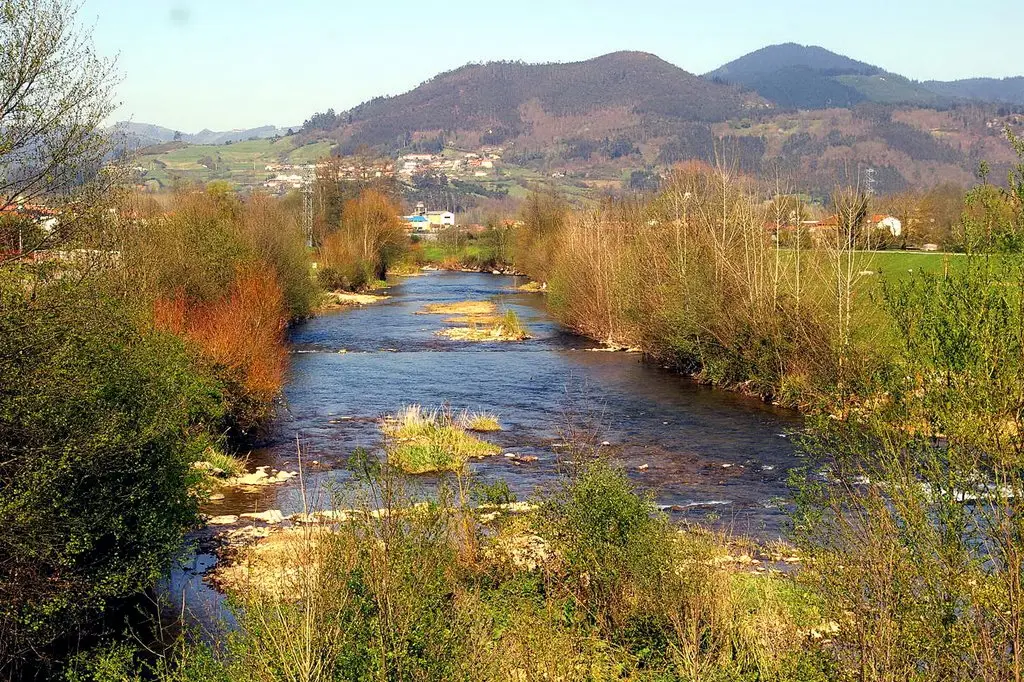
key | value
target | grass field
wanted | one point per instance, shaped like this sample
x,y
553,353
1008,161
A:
x,y
897,264
241,163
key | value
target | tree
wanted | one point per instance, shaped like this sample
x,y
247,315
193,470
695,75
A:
x,y
325,121
55,91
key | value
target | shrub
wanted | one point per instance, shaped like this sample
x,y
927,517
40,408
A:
x,y
195,249
95,421
916,535
360,250
277,238
610,540
242,337
693,278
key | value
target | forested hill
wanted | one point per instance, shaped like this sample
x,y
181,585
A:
x,y
789,55
621,119
1007,90
809,77
503,100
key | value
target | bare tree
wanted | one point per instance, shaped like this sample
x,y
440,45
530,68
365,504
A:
x,y
55,92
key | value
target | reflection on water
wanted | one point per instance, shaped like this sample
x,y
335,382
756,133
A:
x,y
708,455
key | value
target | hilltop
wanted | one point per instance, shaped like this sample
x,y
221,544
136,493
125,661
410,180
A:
x,y
499,101
810,77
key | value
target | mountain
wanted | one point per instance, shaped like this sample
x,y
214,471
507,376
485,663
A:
x,y
789,55
147,134
810,77
595,126
499,101
1004,90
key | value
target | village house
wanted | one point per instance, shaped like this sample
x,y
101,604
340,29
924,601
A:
x,y
441,218
878,221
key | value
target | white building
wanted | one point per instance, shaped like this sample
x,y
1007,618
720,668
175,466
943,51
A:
x,y
441,218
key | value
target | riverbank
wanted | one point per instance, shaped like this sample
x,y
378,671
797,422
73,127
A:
x,y
563,590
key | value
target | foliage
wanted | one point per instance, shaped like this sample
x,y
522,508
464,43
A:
x,y
692,277
917,144
195,249
96,418
325,121
276,237
55,93
487,97
241,336
915,533
543,216
595,585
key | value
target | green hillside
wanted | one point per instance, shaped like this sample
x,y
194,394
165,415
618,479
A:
x,y
241,163
889,88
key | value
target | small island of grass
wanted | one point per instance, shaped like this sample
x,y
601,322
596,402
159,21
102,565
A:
x,y
420,442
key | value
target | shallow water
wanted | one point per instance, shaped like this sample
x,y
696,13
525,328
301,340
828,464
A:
x,y
707,456
710,455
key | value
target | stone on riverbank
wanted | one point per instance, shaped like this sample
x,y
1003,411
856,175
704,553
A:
x,y
344,299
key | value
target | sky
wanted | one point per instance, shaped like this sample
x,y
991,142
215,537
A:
x,y
226,64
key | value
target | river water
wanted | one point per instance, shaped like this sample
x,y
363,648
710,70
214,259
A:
x,y
706,455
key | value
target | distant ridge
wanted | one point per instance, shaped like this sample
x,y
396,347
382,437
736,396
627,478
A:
x,y
810,77
1005,90
147,134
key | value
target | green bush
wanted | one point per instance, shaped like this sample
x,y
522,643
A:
x,y
95,421
611,542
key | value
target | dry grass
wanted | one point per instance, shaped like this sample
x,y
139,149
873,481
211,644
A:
x,y
344,299
466,308
473,320
507,327
481,422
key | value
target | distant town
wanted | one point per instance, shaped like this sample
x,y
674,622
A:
x,y
454,164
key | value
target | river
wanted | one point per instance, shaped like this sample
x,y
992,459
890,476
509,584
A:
x,y
706,455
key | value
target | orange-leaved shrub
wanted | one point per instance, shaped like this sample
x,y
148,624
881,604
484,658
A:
x,y
241,335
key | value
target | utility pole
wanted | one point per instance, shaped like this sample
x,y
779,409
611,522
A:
x,y
307,211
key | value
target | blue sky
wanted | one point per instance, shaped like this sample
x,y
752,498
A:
x,y
220,64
